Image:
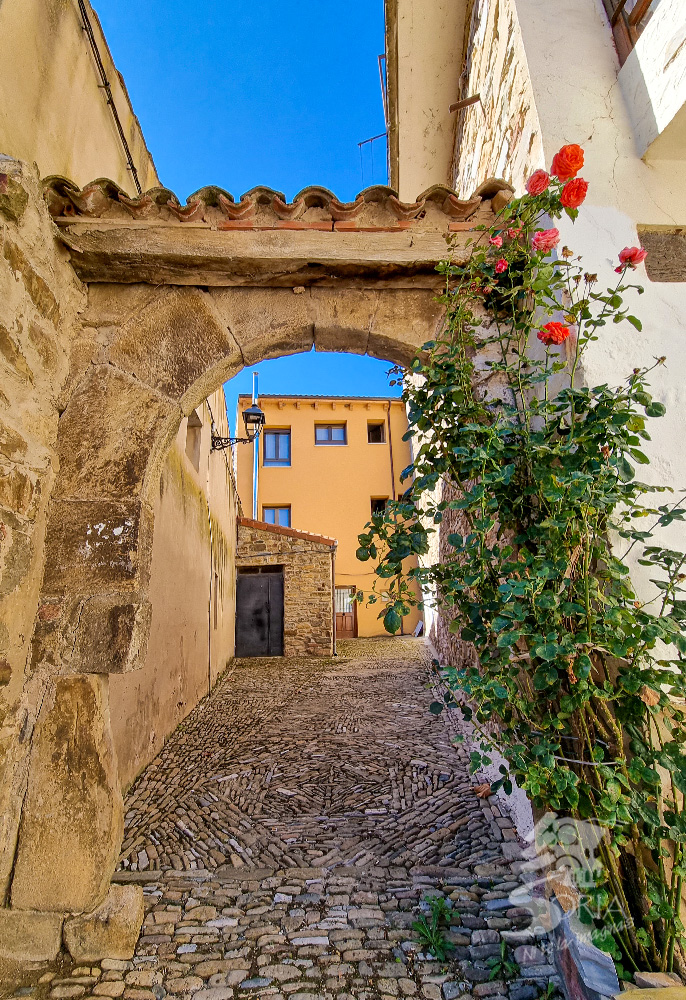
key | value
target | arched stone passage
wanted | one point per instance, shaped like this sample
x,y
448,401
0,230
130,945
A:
x,y
179,300
157,358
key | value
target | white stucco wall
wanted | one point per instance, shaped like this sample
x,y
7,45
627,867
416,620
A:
x,y
574,73
653,79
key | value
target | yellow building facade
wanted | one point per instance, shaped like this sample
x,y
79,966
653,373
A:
x,y
324,464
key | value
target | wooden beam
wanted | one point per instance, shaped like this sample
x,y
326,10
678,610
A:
x,y
198,255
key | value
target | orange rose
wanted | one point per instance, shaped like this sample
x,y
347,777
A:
x,y
553,333
568,162
574,192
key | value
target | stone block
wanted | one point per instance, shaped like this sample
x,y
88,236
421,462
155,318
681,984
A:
x,y
112,636
97,546
20,491
110,931
266,324
654,993
27,936
527,954
72,819
13,355
656,980
107,434
37,288
12,445
404,320
13,196
177,341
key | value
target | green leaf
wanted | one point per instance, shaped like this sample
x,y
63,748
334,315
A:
x,y
508,638
436,707
548,651
625,471
392,621
634,322
655,410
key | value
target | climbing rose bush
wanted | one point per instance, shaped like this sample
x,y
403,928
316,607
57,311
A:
x,y
577,680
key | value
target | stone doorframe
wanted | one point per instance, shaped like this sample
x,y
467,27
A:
x,y
179,300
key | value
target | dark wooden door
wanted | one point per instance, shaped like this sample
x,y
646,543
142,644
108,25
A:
x,y
259,614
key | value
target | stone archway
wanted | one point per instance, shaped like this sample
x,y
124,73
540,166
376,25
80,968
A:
x,y
172,313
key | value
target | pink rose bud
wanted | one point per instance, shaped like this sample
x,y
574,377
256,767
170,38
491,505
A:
x,y
495,241
546,240
538,182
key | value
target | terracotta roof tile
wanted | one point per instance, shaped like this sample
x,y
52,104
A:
x,y
278,529
375,208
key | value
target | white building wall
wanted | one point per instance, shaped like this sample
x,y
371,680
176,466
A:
x,y
575,78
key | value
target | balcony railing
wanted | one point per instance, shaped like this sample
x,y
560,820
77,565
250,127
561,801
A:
x,y
628,19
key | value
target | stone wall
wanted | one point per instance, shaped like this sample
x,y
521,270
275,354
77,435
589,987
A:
x,y
40,297
307,561
501,136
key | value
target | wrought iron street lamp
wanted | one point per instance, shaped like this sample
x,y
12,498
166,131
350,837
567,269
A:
x,y
254,420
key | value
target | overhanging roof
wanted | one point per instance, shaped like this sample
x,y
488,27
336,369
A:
x,y
261,238
424,59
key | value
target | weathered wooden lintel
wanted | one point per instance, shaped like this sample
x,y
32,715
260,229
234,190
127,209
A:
x,y
184,255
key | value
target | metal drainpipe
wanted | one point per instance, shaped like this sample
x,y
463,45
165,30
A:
x,y
105,85
333,597
390,454
390,449
255,456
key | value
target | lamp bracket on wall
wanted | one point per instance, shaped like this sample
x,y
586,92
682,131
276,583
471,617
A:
x,y
253,418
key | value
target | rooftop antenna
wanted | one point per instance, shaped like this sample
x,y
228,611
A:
x,y
381,135
384,100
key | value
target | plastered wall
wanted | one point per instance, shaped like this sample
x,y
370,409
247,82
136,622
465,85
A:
x,y
192,590
594,109
52,110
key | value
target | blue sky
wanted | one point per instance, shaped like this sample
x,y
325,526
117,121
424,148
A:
x,y
246,92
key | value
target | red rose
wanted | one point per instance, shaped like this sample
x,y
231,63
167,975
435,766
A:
x,y
500,266
553,333
568,162
515,232
631,257
574,192
496,241
538,182
546,240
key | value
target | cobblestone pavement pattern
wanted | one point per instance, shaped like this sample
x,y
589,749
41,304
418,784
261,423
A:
x,y
293,829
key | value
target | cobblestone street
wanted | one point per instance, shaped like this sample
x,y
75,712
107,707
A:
x,y
294,828
309,762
